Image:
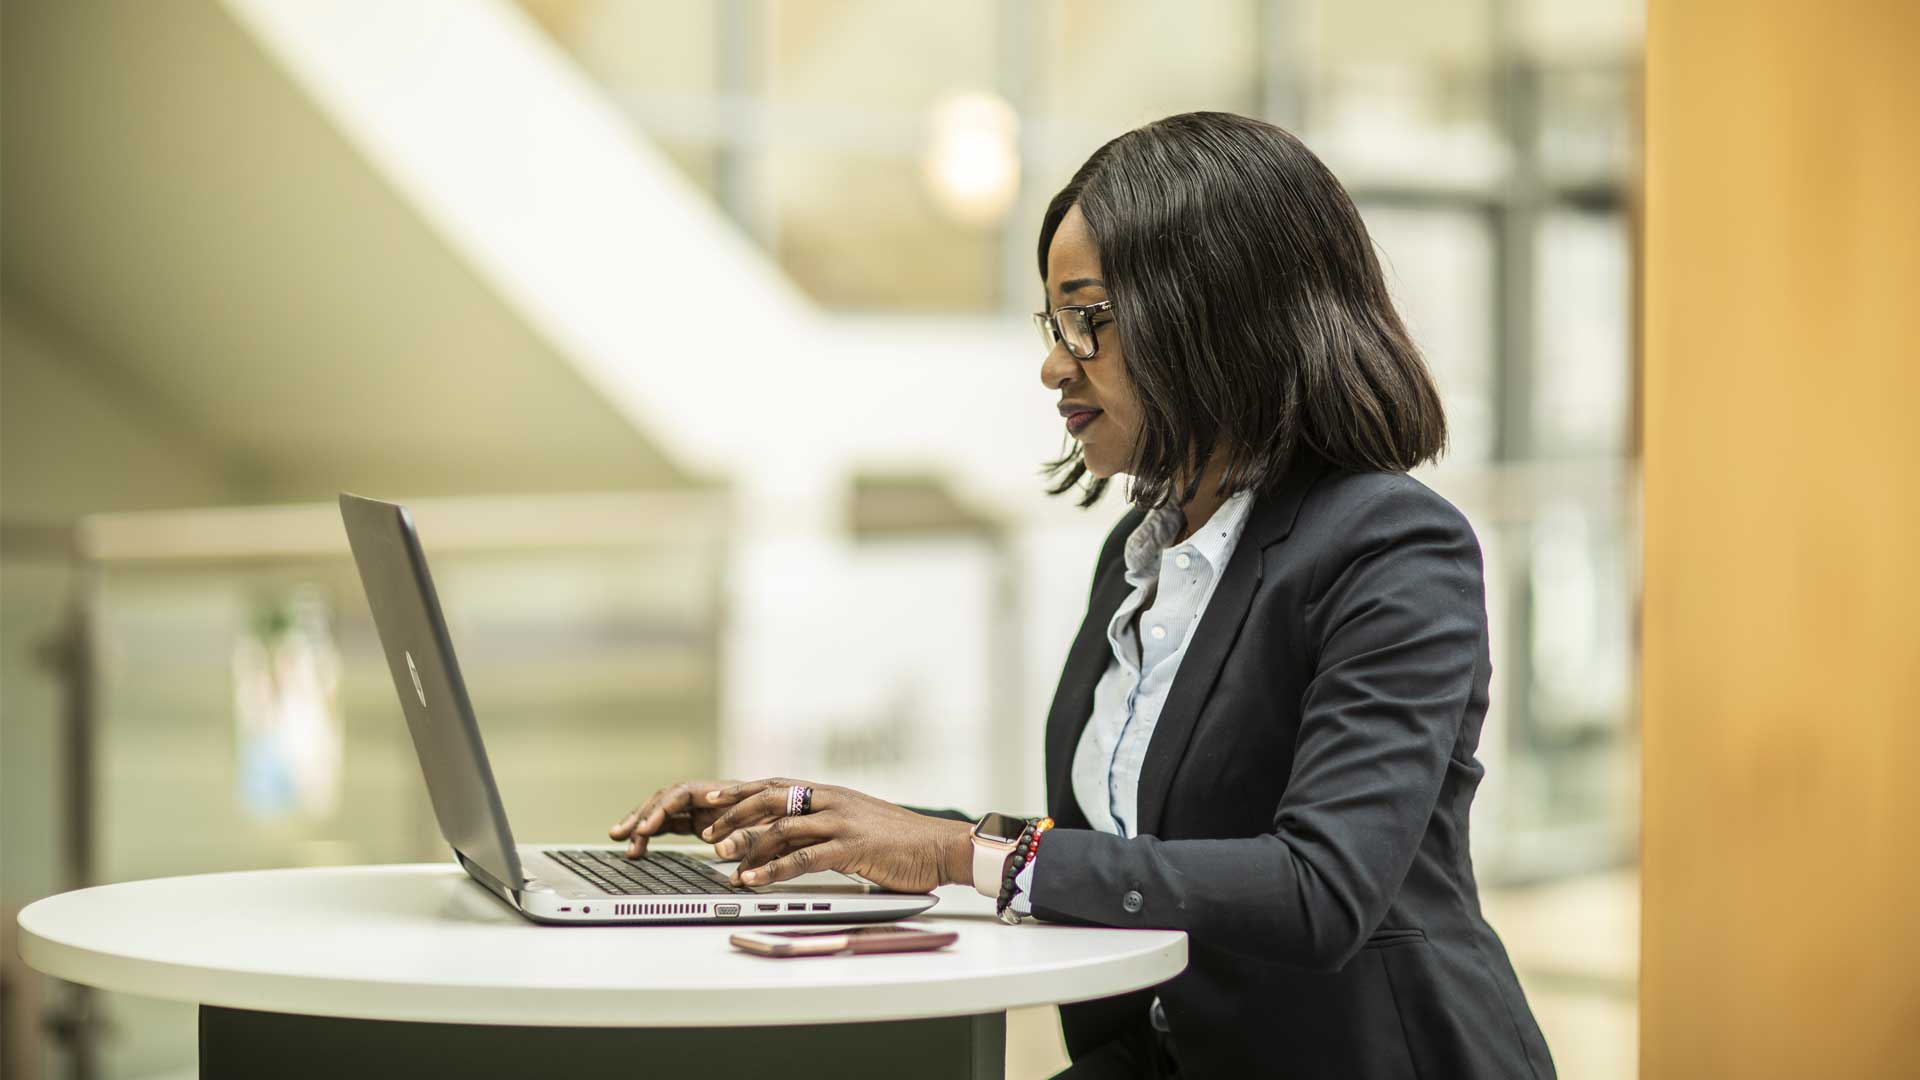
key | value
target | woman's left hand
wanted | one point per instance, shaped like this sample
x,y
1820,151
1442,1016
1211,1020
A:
x,y
854,833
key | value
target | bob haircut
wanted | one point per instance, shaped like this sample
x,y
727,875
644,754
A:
x,y
1250,308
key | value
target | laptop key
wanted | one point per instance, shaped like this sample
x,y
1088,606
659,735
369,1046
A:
x,y
656,873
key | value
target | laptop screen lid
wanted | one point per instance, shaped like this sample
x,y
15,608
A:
x,y
413,635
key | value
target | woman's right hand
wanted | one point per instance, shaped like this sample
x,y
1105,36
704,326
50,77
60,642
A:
x,y
686,807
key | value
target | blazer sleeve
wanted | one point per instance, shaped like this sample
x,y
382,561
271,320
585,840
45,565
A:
x,y
1397,608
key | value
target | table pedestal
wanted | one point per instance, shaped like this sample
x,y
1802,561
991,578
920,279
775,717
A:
x,y
237,1043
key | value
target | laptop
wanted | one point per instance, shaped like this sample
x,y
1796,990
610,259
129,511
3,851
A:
x,y
563,885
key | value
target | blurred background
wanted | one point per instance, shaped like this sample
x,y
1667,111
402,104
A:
x,y
696,336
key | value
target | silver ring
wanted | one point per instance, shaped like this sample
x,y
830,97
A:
x,y
799,800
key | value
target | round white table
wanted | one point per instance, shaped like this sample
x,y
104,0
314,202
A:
x,y
417,971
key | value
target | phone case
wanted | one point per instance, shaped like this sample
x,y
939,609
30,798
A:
x,y
834,943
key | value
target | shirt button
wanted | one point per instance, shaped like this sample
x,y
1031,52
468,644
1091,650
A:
x,y
1133,902
1183,561
1159,632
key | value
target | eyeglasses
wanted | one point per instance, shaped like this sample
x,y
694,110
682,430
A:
x,y
1073,327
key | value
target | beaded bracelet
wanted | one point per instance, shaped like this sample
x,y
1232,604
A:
x,y
1025,850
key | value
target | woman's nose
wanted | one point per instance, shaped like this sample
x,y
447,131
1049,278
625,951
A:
x,y
1059,368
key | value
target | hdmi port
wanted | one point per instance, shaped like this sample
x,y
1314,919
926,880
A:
x,y
766,907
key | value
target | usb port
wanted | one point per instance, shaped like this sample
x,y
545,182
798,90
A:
x,y
796,907
823,907
727,911
766,907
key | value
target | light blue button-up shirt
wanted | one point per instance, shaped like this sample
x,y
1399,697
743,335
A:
x,y
1171,589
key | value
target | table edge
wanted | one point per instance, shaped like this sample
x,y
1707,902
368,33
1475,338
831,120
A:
x,y
415,1001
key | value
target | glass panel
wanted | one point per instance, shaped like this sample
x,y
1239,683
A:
x,y
1570,32
886,200
1103,68
1586,125
1110,65
564,655
1560,745
1581,372
837,52
1403,94
859,230
660,63
1439,267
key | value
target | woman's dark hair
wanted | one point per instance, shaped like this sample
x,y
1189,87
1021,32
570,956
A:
x,y
1251,310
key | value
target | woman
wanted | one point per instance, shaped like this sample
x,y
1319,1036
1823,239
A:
x,y
1264,733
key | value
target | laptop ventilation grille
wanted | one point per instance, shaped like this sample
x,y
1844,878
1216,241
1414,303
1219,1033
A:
x,y
659,909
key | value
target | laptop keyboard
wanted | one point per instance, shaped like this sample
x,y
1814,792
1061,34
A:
x,y
657,873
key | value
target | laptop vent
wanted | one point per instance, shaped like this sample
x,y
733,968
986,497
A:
x,y
659,909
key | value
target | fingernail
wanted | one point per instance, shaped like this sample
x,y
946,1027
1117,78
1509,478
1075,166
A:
x,y
726,848
754,877
712,795
706,833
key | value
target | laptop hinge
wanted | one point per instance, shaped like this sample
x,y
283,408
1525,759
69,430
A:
x,y
492,883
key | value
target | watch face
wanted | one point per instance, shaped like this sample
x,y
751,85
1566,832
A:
x,y
1002,827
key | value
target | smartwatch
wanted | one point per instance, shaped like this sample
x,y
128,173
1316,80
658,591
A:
x,y
994,838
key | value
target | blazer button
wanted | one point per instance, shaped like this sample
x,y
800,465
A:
x,y
1133,902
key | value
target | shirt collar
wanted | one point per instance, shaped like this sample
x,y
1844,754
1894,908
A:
x,y
1210,542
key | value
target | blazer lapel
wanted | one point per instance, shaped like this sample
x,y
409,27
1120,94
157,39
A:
x,y
1270,520
1073,701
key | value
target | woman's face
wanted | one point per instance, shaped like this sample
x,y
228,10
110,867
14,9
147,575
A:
x,y
1096,397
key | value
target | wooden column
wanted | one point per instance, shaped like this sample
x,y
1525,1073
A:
x,y
1782,610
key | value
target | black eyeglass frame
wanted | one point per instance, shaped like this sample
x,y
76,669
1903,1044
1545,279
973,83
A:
x,y
1048,323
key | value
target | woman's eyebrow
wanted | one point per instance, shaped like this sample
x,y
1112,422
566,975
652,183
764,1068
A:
x,y
1076,284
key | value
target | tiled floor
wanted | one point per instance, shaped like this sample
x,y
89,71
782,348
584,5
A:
x,y
1575,944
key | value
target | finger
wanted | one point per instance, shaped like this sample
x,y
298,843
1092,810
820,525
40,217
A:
x,y
826,855
666,810
751,847
680,799
675,823
625,826
693,795
756,845
765,806
734,793
767,851
648,818
622,828
673,800
726,794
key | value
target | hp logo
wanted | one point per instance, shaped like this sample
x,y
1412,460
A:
x,y
415,672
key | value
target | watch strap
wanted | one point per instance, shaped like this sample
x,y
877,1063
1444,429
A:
x,y
989,863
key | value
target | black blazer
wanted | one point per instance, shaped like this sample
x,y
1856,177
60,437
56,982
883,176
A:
x,y
1303,802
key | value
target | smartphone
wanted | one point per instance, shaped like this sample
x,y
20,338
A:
x,y
859,939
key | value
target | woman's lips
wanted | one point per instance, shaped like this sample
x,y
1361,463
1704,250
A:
x,y
1078,421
